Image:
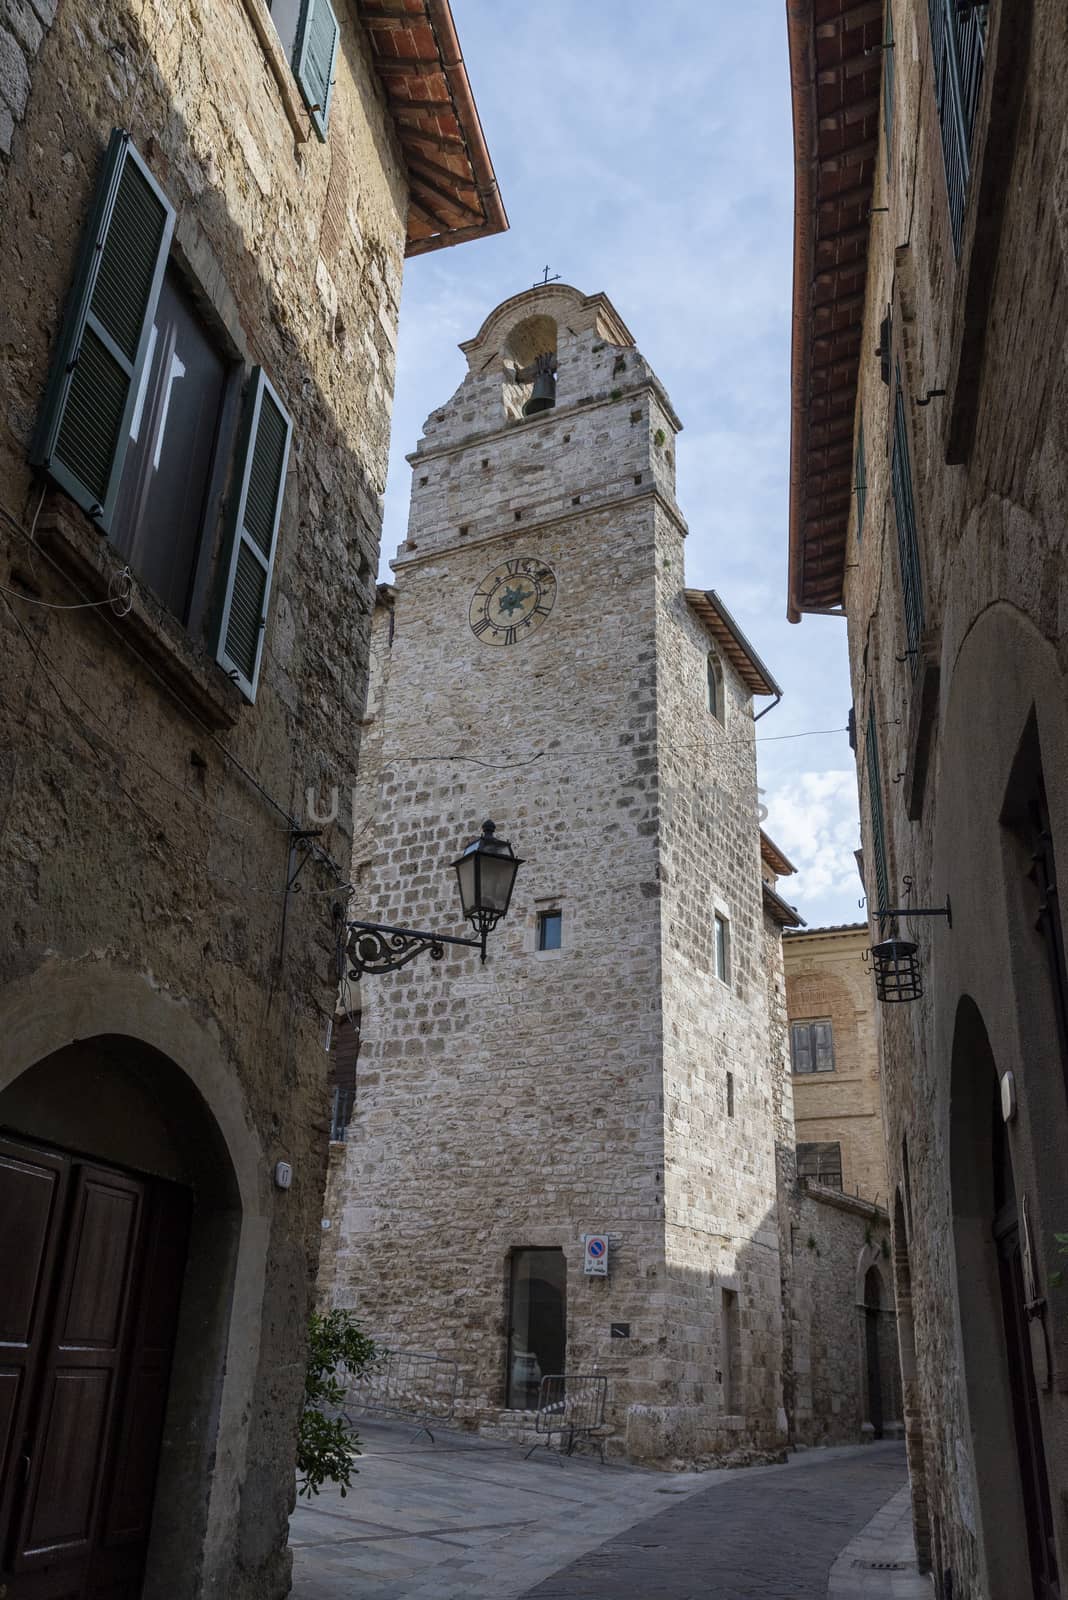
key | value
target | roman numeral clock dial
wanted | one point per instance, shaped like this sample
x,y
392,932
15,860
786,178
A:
x,y
512,601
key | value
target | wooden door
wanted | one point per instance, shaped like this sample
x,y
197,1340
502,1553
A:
x,y
91,1344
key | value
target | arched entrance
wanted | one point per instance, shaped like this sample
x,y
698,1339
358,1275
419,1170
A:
x,y
872,1308
120,1222
993,1271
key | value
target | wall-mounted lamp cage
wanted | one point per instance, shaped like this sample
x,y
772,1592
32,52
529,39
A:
x,y
896,961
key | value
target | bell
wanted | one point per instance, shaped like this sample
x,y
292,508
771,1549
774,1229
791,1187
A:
x,y
543,394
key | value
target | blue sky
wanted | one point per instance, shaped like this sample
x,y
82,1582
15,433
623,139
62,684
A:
x,y
645,150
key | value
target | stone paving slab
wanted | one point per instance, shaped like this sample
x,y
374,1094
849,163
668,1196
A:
x,y
467,1519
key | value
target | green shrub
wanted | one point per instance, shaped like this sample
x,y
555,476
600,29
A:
x,y
338,1350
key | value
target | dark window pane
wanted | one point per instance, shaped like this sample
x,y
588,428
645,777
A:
x,y
160,509
550,930
722,949
821,1162
537,1339
285,14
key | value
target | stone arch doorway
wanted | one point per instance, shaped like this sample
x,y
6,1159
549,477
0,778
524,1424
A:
x,y
872,1364
119,1175
993,1268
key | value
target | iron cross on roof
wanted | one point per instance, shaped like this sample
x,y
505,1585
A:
x,y
545,278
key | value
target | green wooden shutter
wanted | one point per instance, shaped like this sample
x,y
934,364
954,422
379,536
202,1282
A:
x,y
888,87
84,424
260,479
908,543
313,60
878,824
823,1046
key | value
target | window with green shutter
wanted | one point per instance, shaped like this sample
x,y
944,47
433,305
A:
x,y
256,505
84,425
908,544
878,823
888,85
958,48
860,479
314,56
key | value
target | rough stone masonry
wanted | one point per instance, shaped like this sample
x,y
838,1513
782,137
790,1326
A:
x,y
617,1084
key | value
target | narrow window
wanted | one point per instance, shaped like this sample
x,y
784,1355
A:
x,y
730,1094
908,544
550,930
162,498
820,1162
860,480
958,46
812,1046
730,1351
715,685
875,804
723,948
344,1052
537,1323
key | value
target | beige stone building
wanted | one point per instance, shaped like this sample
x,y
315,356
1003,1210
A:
x,y
204,214
834,1058
928,472
609,1070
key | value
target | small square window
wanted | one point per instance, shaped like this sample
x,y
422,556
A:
x,y
550,930
723,948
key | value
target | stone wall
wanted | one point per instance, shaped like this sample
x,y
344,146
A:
x,y
554,1093
971,722
145,807
827,977
837,1241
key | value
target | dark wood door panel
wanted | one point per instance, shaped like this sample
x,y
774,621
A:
x,y
64,1484
33,1189
96,1259
81,1370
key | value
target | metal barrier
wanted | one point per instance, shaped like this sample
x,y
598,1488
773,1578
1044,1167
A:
x,y
572,1405
408,1385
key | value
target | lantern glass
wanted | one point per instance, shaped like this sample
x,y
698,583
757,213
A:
x,y
485,874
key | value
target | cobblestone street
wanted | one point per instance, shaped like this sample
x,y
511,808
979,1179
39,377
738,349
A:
x,y
463,1519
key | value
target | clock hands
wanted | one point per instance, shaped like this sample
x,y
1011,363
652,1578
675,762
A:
x,y
512,599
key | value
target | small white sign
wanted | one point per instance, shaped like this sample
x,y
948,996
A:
x,y
596,1262
283,1175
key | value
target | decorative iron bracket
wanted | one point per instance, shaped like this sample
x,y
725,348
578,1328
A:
x,y
374,947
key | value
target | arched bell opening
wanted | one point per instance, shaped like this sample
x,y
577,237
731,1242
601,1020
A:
x,y
529,355
120,1229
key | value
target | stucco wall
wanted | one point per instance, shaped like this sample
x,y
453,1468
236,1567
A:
x,y
138,864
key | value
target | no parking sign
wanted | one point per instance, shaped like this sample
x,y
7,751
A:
x,y
596,1262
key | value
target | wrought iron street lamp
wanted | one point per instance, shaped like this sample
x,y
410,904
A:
x,y
896,961
485,873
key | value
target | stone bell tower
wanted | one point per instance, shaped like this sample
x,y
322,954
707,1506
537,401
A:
x,y
607,1072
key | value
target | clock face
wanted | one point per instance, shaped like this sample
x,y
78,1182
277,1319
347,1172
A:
x,y
513,601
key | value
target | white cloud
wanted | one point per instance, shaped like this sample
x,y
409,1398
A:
x,y
813,818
